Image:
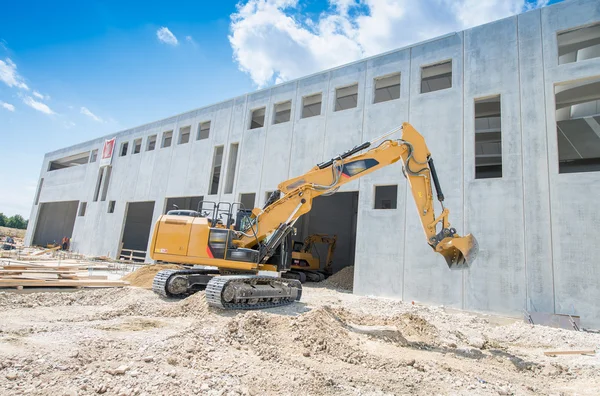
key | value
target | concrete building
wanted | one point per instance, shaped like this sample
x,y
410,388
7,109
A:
x,y
510,111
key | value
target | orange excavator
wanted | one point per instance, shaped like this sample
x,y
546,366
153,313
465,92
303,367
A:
x,y
306,263
247,253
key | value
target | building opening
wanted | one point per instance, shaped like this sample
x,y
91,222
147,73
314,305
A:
x,y
183,203
578,126
329,226
136,231
55,221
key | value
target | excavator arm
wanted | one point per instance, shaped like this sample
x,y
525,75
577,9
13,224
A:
x,y
268,226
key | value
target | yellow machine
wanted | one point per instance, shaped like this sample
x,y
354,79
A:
x,y
305,265
249,252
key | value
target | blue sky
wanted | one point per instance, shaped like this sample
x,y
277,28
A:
x,y
75,70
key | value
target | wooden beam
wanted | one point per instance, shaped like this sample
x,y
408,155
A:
x,y
584,352
60,283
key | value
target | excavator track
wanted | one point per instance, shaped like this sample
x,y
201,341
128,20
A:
x,y
233,291
236,292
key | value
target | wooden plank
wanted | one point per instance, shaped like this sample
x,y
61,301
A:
x,y
60,283
46,251
36,271
584,352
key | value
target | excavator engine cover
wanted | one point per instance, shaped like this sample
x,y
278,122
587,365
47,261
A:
x,y
459,252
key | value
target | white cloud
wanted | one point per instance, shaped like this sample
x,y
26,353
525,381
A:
x,y
39,106
7,106
40,96
273,41
10,76
165,35
69,124
85,111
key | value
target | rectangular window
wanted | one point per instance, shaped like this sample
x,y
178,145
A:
x,y
94,156
386,197
346,97
436,77
203,130
71,160
111,206
488,138
106,183
576,45
137,146
124,147
258,118
184,134
311,105
216,170
98,184
231,164
183,203
282,112
167,138
578,126
247,200
151,143
39,191
386,88
267,195
82,207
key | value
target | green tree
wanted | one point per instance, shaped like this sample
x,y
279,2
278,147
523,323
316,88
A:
x,y
16,221
3,220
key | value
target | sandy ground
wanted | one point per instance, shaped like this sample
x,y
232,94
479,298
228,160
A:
x,y
131,342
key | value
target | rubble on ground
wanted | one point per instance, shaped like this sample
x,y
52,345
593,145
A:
x,y
130,341
341,280
143,276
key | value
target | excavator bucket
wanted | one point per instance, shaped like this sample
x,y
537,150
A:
x,y
459,252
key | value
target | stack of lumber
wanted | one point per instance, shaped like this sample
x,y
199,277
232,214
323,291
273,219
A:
x,y
21,274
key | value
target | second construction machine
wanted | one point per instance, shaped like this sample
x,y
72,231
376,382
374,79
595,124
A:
x,y
248,253
306,266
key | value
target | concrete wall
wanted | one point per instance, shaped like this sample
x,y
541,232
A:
x,y
535,226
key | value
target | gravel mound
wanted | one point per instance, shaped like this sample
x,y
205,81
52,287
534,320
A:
x,y
143,276
343,279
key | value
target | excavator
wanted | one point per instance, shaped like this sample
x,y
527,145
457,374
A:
x,y
239,257
305,265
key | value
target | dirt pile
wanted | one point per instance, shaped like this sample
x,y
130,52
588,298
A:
x,y
143,276
194,306
343,279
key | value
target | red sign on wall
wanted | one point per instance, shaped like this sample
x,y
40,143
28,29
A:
x,y
107,152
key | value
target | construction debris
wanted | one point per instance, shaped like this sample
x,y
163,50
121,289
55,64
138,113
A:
x,y
19,274
129,341
342,280
554,353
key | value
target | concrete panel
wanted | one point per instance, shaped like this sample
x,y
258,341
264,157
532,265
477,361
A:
x,y
438,116
538,235
380,233
309,133
278,144
494,207
252,147
572,216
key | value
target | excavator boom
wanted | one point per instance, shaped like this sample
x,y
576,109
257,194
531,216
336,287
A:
x,y
328,177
